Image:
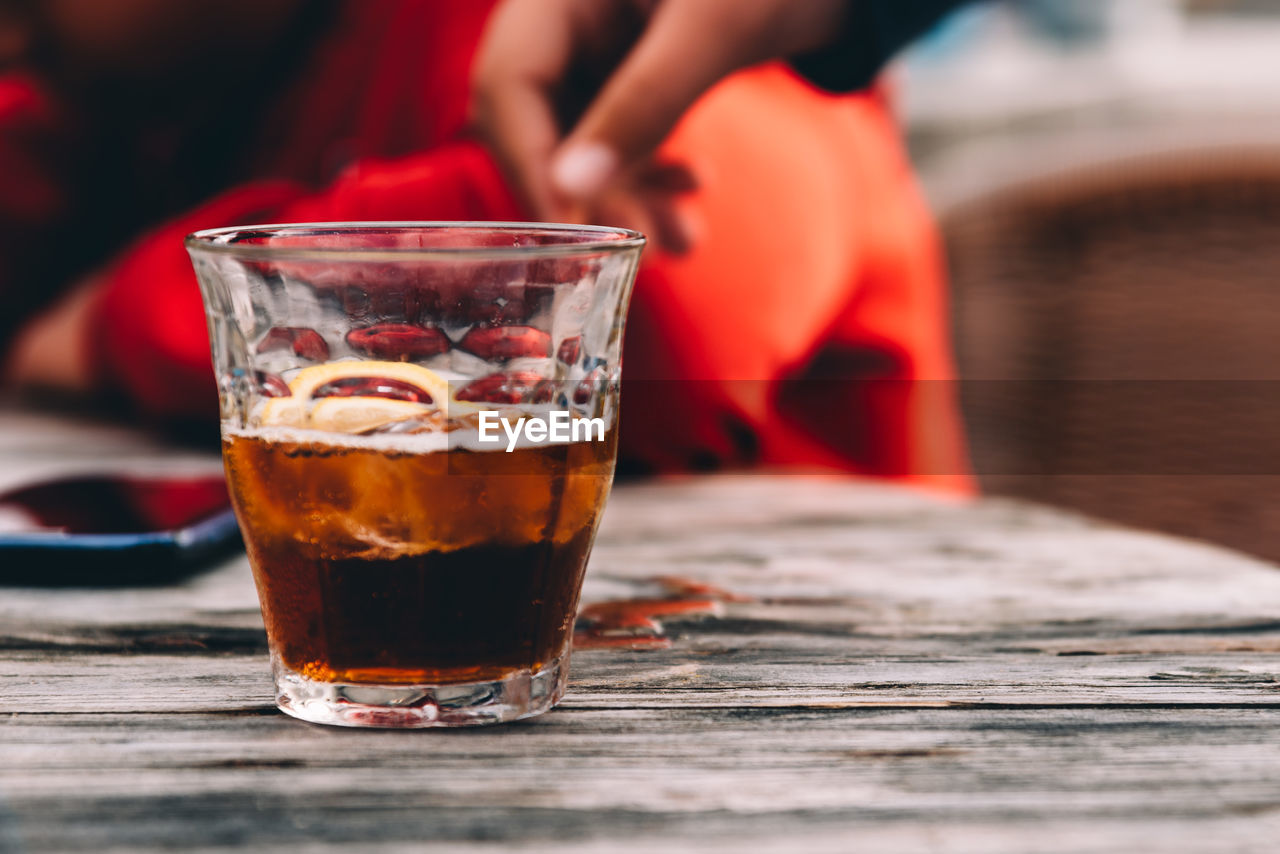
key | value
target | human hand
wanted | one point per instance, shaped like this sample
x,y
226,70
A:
x,y
575,96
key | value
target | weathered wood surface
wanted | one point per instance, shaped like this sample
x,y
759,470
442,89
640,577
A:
x,y
892,673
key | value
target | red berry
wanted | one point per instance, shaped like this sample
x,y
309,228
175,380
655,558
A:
x,y
270,385
507,342
570,350
398,341
305,342
587,388
514,387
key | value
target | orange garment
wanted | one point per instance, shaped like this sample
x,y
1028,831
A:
x,y
813,310
806,328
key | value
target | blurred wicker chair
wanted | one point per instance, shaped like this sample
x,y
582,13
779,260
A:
x,y
1118,334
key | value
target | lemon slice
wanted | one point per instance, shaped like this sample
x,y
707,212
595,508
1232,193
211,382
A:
x,y
353,413
283,412
359,414
304,384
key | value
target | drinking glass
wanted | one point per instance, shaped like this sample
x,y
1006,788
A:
x,y
419,427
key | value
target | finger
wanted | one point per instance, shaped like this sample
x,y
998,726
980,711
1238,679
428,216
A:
x,y
520,127
670,227
677,59
667,177
654,214
659,187
621,209
525,51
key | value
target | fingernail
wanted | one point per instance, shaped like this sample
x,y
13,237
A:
x,y
583,170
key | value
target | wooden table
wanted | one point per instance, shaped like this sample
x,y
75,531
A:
x,y
869,669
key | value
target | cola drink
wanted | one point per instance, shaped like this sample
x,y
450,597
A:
x,y
379,560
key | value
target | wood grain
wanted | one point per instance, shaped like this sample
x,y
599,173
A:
x,y
899,673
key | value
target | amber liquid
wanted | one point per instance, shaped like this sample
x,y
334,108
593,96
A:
x,y
391,567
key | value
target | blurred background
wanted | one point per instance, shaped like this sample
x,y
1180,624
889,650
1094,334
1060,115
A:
x,y
1107,177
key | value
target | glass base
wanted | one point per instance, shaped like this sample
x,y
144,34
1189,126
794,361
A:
x,y
523,694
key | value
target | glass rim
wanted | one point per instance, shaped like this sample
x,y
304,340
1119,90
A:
x,y
223,241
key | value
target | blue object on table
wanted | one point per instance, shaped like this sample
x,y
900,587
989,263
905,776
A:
x,y
103,531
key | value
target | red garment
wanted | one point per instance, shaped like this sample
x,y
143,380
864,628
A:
x,y
30,193
796,333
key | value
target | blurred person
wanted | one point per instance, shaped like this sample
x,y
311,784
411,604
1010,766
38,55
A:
x,y
633,68
789,311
